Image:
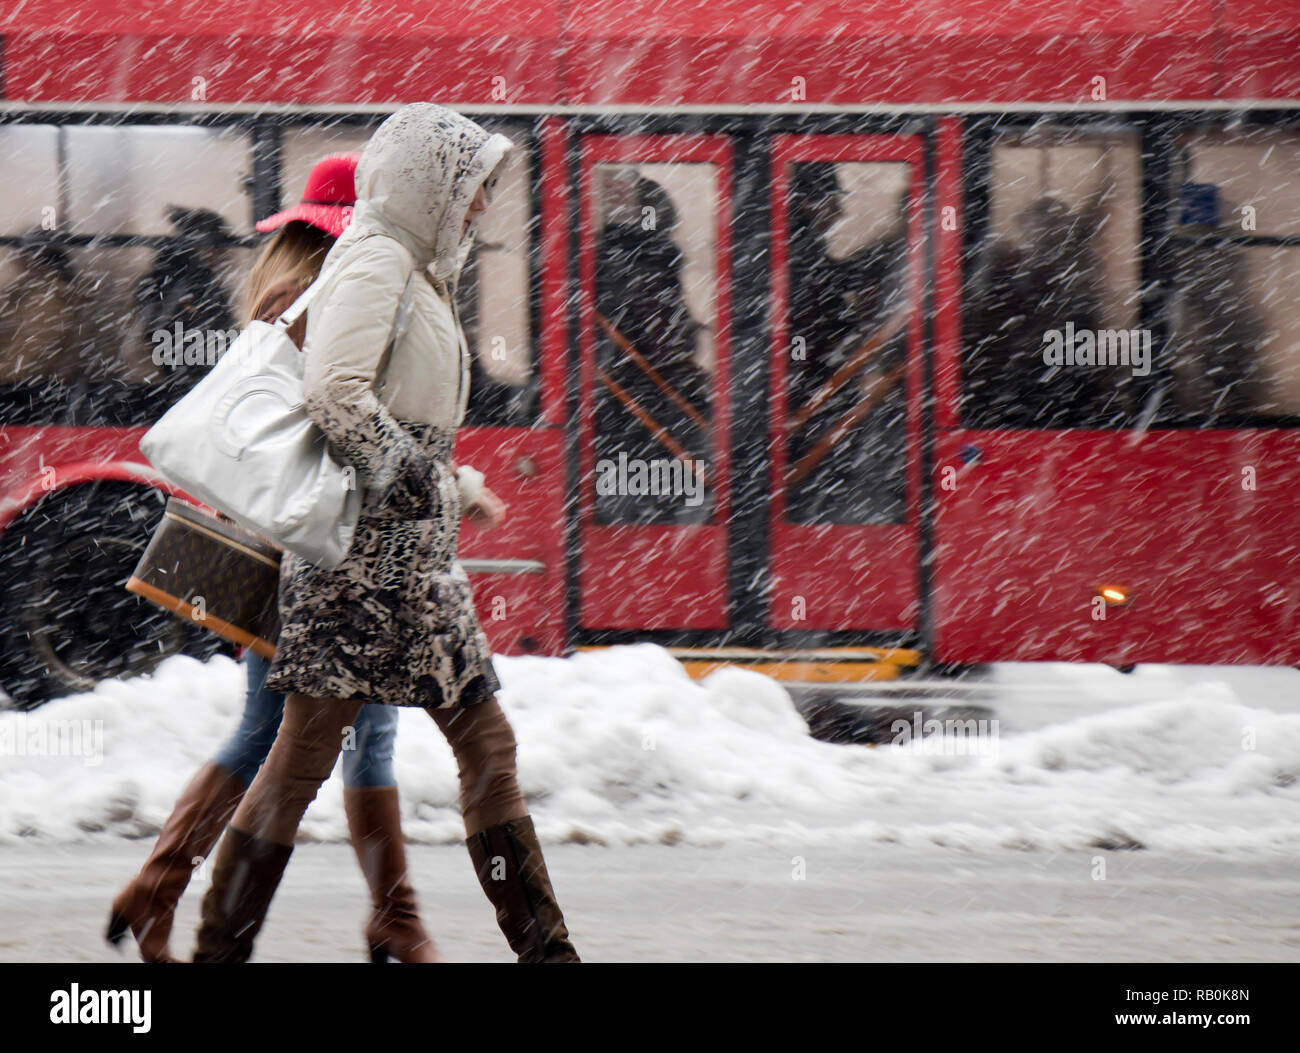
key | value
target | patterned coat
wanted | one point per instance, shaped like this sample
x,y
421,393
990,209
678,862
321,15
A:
x,y
395,621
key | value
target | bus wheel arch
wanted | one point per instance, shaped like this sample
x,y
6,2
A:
x,y
68,620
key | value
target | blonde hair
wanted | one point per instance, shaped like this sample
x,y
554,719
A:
x,y
296,251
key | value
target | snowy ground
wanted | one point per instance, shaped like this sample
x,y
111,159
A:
x,y
700,822
860,902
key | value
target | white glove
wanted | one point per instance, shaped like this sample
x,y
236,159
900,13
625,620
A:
x,y
469,481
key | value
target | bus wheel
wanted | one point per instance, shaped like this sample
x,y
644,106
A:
x,y
1126,668
69,620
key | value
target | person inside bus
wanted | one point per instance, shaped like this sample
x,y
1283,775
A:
x,y
1218,329
183,288
43,326
394,623
287,264
1046,277
652,396
846,394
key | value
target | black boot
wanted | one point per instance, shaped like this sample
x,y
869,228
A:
x,y
510,867
245,875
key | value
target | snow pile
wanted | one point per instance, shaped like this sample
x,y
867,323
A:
x,y
622,747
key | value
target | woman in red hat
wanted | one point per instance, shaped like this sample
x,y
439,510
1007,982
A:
x,y
288,263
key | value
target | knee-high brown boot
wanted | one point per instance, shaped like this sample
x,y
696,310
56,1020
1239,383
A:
x,y
245,874
148,903
375,823
510,867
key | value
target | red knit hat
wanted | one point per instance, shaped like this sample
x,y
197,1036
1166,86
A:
x,y
328,198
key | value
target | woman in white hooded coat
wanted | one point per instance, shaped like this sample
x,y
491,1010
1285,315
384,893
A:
x,y
395,622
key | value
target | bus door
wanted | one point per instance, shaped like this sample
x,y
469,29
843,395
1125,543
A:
x,y
653,345
846,266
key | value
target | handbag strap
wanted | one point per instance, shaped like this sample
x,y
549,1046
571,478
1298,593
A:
x,y
291,313
401,319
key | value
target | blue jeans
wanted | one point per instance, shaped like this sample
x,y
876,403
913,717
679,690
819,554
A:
x,y
367,755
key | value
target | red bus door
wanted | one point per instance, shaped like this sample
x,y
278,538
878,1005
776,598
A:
x,y
846,380
654,327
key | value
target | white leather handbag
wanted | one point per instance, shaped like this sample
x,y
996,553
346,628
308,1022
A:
x,y
241,441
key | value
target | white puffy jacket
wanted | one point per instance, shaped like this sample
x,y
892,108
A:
x,y
415,181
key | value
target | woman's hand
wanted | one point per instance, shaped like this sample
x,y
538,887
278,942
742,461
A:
x,y
487,511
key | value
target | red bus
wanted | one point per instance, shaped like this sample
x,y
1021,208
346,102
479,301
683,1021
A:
x,y
836,341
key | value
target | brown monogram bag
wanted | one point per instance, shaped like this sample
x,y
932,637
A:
x,y
215,573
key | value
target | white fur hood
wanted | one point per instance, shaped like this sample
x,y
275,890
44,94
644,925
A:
x,y
415,181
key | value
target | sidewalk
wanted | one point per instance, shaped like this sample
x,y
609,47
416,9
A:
x,y
875,902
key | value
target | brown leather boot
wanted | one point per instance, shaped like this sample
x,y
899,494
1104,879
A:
x,y
510,867
148,904
375,823
245,874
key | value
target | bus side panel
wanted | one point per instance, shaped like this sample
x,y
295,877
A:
x,y
1200,527
521,608
38,460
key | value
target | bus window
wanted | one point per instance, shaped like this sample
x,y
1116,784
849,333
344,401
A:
x,y
846,402
122,178
40,298
30,152
1051,306
493,301
656,284
166,312
1236,323
301,146
45,325
157,320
